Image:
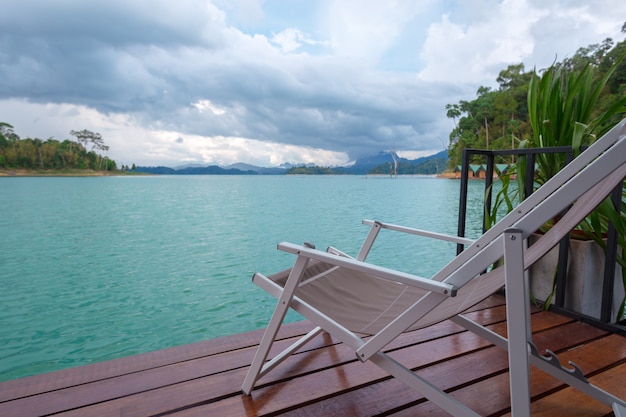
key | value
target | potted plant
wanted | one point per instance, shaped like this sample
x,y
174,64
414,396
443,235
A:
x,y
562,108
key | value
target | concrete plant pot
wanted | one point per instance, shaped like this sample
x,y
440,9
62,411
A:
x,y
583,292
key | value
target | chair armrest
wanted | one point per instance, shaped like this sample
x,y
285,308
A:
x,y
363,267
420,232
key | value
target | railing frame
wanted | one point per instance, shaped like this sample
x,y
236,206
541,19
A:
x,y
612,241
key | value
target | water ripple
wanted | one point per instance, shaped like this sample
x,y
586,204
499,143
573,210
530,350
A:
x,y
99,268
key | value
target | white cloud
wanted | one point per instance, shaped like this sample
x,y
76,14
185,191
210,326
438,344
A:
x,y
475,48
288,40
471,53
365,29
203,105
291,39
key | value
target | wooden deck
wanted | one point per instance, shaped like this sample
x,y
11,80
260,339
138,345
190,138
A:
x,y
204,379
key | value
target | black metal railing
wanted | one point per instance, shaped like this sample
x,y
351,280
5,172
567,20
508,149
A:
x,y
605,320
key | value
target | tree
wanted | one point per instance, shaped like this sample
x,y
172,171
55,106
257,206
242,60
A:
x,y
35,153
104,148
512,77
6,134
617,83
590,55
82,136
453,112
38,143
504,107
86,137
507,108
7,153
485,107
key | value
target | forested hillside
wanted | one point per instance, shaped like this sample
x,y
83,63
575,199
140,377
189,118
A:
x,y
51,154
498,118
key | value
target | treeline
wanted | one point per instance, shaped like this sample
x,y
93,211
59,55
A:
x,y
498,118
308,170
423,166
428,167
52,154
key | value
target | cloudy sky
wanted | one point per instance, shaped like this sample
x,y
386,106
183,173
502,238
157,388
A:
x,y
271,81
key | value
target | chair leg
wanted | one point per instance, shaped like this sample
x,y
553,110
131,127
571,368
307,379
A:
x,y
434,394
518,323
276,321
290,350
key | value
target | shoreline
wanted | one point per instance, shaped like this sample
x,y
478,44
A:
x,y
4,172
64,173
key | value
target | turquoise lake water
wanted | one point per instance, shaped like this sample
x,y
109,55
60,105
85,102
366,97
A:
x,y
99,268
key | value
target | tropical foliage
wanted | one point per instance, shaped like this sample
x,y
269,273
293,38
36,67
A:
x,y
499,118
570,106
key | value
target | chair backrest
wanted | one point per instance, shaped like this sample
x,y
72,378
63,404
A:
x,y
586,181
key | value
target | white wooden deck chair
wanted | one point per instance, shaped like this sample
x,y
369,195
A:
x,y
349,298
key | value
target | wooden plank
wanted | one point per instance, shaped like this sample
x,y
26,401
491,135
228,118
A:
x,y
324,379
490,302
494,318
167,398
37,384
571,403
195,390
52,381
104,389
388,395
136,382
376,399
494,392
327,384
225,384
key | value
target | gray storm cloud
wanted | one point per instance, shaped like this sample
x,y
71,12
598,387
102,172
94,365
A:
x,y
185,67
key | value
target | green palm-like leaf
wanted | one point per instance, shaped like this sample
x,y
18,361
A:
x,y
562,110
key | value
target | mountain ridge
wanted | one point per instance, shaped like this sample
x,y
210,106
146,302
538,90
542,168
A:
x,y
360,167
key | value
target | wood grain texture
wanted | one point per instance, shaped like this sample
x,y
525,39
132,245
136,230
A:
x,y
325,378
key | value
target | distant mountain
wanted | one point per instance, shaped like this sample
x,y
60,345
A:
x,y
209,170
378,163
160,170
428,165
439,155
259,170
213,170
363,165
